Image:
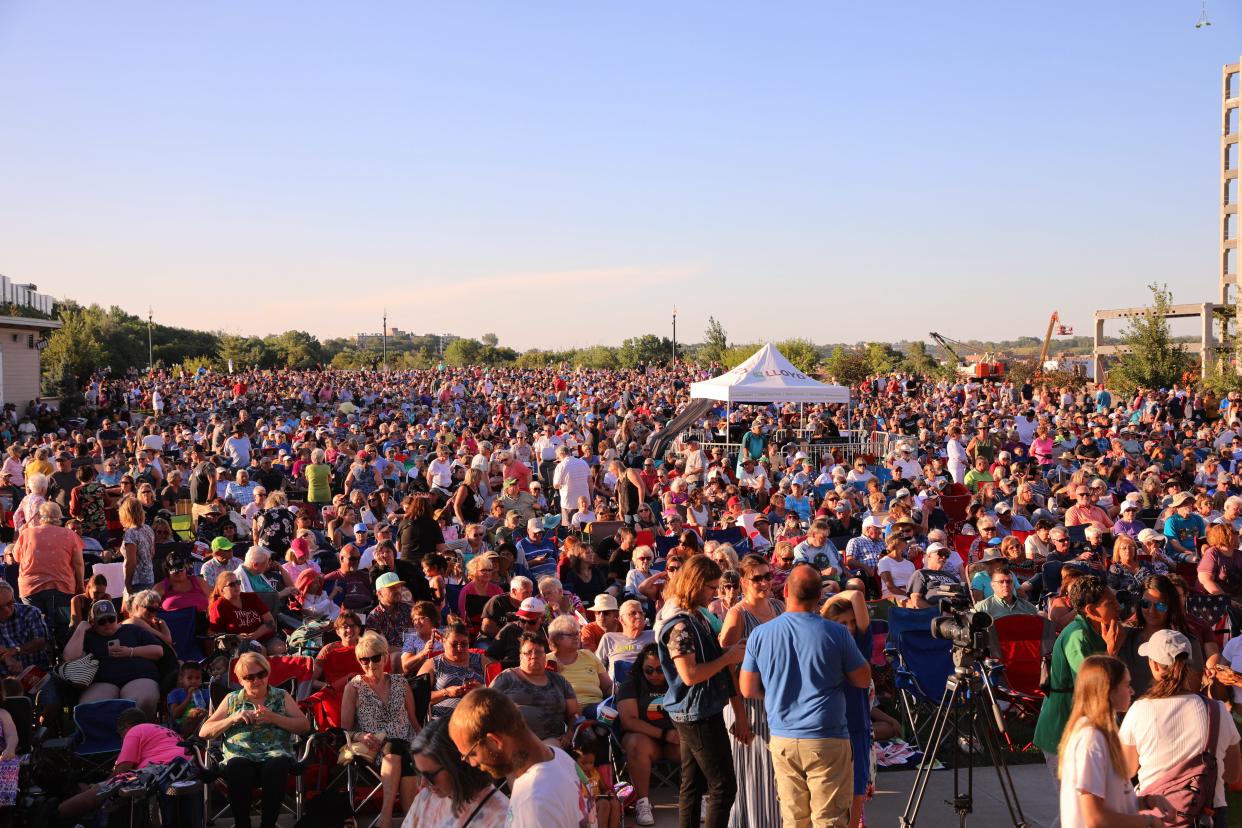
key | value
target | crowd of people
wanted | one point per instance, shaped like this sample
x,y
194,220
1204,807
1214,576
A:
x,y
498,581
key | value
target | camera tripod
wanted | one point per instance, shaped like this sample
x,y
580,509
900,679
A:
x,y
967,695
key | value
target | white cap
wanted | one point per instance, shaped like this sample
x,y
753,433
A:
x,y
872,522
1165,646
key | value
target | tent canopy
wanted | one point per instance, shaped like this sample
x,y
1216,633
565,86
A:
x,y
767,377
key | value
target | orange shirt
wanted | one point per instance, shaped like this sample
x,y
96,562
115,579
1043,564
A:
x,y
48,557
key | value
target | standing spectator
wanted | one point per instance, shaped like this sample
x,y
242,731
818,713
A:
x,y
50,570
799,664
137,546
1094,773
756,804
1170,724
88,503
1095,628
547,791
572,478
700,686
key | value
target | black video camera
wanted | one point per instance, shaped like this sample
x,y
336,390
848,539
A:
x,y
965,628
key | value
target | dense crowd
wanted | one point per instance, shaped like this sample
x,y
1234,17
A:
x,y
491,577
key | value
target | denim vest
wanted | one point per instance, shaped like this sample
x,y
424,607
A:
x,y
695,702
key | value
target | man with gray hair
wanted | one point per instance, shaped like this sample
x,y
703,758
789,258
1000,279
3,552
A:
x,y
572,478
498,610
1232,513
23,635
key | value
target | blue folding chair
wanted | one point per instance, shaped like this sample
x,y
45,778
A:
x,y
921,666
618,671
664,545
733,535
96,738
182,625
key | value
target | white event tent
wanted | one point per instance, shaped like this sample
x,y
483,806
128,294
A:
x,y
767,377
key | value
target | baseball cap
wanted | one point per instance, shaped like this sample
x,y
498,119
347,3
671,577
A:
x,y
534,526
1002,508
531,608
360,529
1129,506
936,548
220,543
388,579
1163,647
1150,535
872,522
102,609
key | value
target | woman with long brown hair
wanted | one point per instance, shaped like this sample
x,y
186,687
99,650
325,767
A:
x,y
1093,770
419,533
1169,725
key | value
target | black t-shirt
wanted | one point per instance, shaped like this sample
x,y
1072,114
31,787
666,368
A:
x,y
65,484
505,648
270,479
926,580
200,483
650,699
121,671
499,608
417,538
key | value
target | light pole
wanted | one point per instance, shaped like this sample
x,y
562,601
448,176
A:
x,y
150,348
384,334
674,334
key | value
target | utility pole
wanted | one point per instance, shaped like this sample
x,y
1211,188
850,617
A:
x,y
150,347
674,334
384,334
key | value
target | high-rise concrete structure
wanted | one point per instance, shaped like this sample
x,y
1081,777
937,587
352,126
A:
x,y
1228,265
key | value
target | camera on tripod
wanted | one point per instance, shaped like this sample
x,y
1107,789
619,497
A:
x,y
966,629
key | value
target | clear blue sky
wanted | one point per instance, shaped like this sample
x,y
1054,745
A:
x,y
827,170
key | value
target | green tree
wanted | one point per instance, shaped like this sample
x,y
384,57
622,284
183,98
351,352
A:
x,y
918,360
294,349
461,352
801,352
715,343
735,355
245,352
490,340
73,352
847,366
598,356
1154,360
882,357
647,349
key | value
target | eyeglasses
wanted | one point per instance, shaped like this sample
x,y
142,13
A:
x,y
1158,606
1060,540
232,583
785,560
466,755
259,676
371,659
652,671
767,576
488,569
644,559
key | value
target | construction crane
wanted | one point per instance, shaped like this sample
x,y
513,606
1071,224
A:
x,y
990,368
1060,330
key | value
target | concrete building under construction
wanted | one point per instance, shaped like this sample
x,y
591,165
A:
x,y
1221,321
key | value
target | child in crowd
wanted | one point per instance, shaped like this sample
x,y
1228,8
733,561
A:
x,y
583,516
188,701
316,605
607,808
434,567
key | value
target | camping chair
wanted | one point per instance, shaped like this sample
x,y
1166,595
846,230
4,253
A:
x,y
96,741
290,673
664,545
921,666
182,625
1021,643
598,530
732,535
210,756
181,527
962,545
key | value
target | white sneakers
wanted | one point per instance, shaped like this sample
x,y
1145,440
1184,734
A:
x,y
642,812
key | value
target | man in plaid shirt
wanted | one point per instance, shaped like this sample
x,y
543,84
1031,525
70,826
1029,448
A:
x,y
864,552
23,634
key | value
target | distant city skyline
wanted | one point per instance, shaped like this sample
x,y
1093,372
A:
x,y
564,175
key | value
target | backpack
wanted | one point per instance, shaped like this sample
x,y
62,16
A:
x,y
1191,786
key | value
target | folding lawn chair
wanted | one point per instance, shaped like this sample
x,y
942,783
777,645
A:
x,y
921,666
96,741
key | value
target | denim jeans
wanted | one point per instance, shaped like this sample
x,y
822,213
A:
x,y
706,769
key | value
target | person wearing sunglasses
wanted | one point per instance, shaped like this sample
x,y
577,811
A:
x,y
1159,607
181,588
143,610
454,793
379,702
456,671
648,734
258,724
127,656
243,614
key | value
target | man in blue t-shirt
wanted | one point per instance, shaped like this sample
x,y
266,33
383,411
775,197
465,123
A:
x,y
800,664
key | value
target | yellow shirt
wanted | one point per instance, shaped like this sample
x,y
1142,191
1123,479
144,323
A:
x,y
39,467
583,676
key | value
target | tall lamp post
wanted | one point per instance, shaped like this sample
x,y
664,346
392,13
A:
x,y
674,334
150,348
384,335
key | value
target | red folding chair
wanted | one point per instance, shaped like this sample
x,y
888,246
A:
x,y
962,545
1022,641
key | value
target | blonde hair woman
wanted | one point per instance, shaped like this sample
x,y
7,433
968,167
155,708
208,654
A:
x,y
137,546
258,723
379,705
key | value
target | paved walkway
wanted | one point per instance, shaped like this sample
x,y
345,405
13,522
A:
x,y
1036,794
